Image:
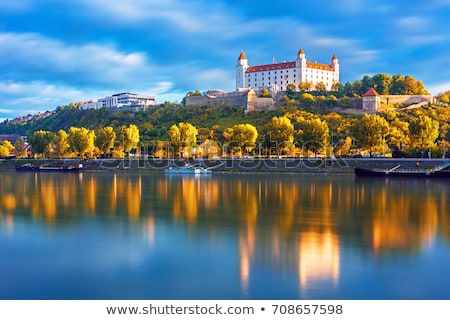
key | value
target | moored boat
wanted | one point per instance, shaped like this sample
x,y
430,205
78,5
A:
x,y
50,168
405,173
187,170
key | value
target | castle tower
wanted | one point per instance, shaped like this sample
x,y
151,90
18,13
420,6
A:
x,y
335,67
300,64
241,67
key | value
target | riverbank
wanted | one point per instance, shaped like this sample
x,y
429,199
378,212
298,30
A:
x,y
294,165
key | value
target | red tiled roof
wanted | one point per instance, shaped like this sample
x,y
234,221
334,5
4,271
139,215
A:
x,y
321,66
334,57
370,93
301,51
287,65
273,66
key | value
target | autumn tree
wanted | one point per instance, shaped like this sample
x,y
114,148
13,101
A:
x,y
281,132
40,142
6,148
60,144
241,138
314,134
265,93
183,138
423,132
81,141
370,132
128,137
104,139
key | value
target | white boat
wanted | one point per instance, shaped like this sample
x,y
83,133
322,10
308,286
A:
x,y
187,170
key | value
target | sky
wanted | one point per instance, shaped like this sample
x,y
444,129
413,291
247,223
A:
x,y
53,52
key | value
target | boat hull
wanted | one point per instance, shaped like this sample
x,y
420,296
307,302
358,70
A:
x,y
364,172
187,171
35,168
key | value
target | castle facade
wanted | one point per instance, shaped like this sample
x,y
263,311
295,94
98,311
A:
x,y
277,76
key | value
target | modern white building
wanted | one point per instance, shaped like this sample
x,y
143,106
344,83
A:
x,y
277,76
123,100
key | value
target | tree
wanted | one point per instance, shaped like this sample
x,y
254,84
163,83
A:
x,y
366,84
128,137
444,97
105,139
20,148
81,140
265,93
183,137
314,134
397,85
241,137
370,132
321,86
60,144
305,86
357,88
291,88
281,131
40,142
423,132
382,83
6,148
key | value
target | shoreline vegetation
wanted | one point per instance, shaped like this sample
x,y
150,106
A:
x,y
305,124
259,165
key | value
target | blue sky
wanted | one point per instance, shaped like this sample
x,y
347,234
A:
x,y
53,52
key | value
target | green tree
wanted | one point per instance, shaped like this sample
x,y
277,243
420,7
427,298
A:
x,y
128,137
241,138
20,148
397,85
105,139
40,142
81,141
314,134
183,137
382,83
281,132
370,132
423,132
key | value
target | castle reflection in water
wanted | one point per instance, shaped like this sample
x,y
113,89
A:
x,y
290,223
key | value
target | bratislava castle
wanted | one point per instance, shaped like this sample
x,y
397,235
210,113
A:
x,y
277,76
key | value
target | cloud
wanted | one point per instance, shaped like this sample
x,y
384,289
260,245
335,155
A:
x,y
49,59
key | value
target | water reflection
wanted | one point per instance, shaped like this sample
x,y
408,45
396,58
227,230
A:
x,y
293,224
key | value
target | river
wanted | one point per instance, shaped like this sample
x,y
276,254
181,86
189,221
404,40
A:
x,y
103,235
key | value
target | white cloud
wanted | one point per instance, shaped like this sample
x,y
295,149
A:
x,y
86,63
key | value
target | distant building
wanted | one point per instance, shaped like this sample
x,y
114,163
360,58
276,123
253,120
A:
x,y
373,102
122,101
277,76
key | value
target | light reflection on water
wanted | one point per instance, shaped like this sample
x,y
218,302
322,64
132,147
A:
x,y
150,236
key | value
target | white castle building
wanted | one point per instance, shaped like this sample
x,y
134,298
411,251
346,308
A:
x,y
277,76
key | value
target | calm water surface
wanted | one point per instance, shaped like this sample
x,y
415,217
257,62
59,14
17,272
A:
x,y
245,236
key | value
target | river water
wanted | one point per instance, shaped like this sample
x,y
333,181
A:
x,y
105,235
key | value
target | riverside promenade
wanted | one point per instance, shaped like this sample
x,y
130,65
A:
x,y
287,165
